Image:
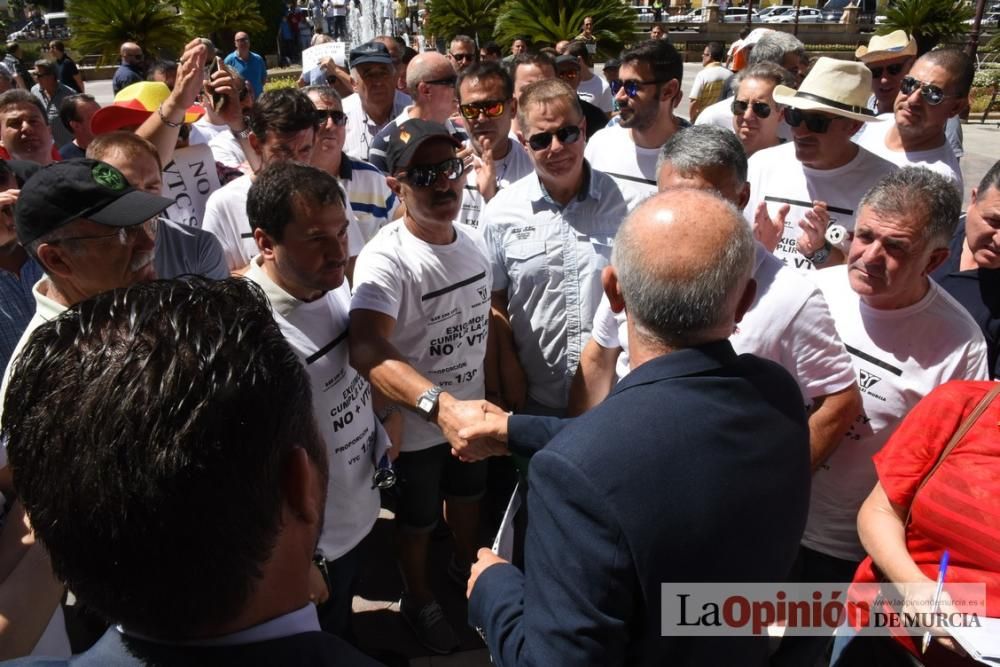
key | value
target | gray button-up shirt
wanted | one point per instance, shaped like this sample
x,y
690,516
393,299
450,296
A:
x,y
549,261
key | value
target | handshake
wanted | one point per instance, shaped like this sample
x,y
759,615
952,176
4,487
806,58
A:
x,y
475,429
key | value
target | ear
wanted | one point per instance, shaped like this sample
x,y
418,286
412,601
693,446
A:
x,y
302,487
394,185
255,143
746,300
264,243
609,280
937,258
53,260
669,91
744,196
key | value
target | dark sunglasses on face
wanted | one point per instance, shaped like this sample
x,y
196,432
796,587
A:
x,y
464,56
893,70
569,74
489,108
814,123
631,86
932,94
566,135
425,177
760,109
339,118
449,81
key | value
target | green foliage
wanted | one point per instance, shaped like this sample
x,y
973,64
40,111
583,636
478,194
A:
x,y
545,22
476,18
929,21
987,75
280,82
100,26
219,20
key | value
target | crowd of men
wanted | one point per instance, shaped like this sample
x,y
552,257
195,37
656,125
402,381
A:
x,y
463,275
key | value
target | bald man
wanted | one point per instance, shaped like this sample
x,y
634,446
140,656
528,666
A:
x,y
249,65
617,488
131,69
430,81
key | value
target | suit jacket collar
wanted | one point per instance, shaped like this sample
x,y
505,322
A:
x,y
689,361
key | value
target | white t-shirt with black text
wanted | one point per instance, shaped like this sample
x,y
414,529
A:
x,y
439,296
941,160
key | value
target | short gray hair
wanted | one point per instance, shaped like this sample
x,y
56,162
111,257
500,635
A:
x,y
679,307
702,147
774,46
921,194
765,71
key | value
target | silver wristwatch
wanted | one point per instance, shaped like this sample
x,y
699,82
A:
x,y
427,403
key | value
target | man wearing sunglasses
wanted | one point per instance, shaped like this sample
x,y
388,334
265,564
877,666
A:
x,y
462,52
568,69
650,76
549,236
935,90
814,182
249,65
430,81
486,102
368,195
419,324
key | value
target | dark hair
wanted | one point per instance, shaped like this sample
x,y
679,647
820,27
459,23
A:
x,y
487,70
579,50
20,96
69,110
162,67
660,55
43,66
990,180
167,409
409,54
276,190
284,110
540,59
957,64
716,51
492,48
58,45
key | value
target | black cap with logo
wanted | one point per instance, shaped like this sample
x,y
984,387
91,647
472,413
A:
x,y
369,52
406,140
60,193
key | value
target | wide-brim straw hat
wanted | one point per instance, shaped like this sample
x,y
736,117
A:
x,y
839,87
886,47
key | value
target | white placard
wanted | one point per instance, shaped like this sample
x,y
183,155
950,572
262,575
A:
x,y
189,179
314,54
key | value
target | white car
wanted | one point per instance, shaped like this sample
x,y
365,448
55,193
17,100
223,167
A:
x,y
806,15
773,10
696,16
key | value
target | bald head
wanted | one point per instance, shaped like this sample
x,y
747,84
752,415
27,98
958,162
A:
x,y
427,66
131,53
682,263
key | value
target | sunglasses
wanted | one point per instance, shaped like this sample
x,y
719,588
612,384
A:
x,y
631,86
760,109
932,94
339,118
814,122
490,108
464,56
384,476
123,234
425,177
569,74
567,135
450,81
893,70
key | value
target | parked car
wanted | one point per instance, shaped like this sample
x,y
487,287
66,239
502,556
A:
x,y
806,15
694,16
773,10
52,25
737,15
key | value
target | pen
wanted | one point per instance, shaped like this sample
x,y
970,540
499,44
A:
x,y
942,569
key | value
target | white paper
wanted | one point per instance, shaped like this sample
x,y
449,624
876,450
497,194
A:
x,y
312,55
982,643
503,544
189,179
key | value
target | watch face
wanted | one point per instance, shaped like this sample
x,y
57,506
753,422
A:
x,y
425,405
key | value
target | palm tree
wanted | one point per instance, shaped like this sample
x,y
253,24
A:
x,y
219,20
100,26
476,18
929,21
550,21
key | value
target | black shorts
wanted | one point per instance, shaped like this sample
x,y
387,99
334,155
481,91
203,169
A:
x,y
423,477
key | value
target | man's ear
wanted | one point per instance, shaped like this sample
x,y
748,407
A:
x,y
53,260
264,243
744,196
394,185
302,487
746,300
937,258
669,91
612,288
255,143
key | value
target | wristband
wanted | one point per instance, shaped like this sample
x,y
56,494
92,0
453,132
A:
x,y
166,121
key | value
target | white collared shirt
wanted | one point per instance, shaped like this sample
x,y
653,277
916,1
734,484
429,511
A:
x,y
293,623
361,129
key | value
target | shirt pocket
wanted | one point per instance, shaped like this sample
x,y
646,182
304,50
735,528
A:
x,y
527,263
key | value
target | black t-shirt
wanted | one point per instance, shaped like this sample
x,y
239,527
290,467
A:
x,y
596,119
67,69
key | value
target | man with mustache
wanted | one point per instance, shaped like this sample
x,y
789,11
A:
x,y
24,128
419,324
935,90
907,336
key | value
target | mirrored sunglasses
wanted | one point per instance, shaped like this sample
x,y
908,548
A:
x,y
489,108
932,94
814,122
566,135
631,86
425,177
760,109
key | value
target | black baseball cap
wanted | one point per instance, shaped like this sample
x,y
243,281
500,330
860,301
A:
x,y
612,63
565,60
370,52
406,140
62,192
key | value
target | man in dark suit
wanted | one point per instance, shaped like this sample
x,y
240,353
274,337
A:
x,y
163,445
694,469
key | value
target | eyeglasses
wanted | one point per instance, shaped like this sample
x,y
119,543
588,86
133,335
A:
x,y
760,109
244,39
566,135
463,56
569,74
490,108
384,476
339,118
123,233
631,86
449,81
814,122
425,177
893,70
932,94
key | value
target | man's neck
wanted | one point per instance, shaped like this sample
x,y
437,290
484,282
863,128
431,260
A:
x,y
843,157
659,132
586,74
381,117
244,56
905,301
435,233
270,269
566,188
329,161
67,296
12,258
915,139
967,262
